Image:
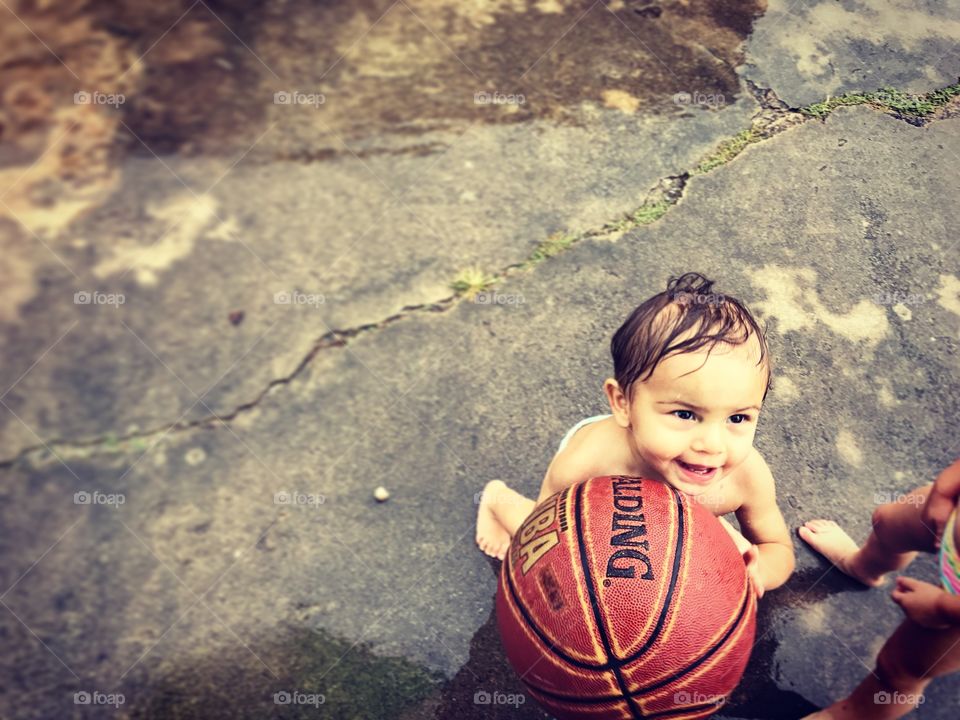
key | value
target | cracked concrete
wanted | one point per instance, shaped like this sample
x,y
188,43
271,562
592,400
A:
x,y
811,50
248,239
204,593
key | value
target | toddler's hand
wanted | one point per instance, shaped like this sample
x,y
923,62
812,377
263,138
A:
x,y
918,600
752,560
739,540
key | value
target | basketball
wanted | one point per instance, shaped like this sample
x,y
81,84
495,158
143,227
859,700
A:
x,y
620,597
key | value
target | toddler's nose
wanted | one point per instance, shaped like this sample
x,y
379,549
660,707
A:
x,y
709,440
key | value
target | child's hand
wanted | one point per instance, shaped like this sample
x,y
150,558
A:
x,y
751,556
918,600
739,540
752,560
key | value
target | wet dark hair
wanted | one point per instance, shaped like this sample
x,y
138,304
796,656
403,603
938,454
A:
x,y
650,334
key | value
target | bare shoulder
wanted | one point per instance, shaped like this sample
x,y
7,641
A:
x,y
753,479
585,456
755,469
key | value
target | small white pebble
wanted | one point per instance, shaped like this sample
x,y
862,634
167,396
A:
x,y
381,493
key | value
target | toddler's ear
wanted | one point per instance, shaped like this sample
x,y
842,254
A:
x,y
618,402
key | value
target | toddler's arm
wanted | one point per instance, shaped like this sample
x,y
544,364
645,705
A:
x,y
761,522
565,469
942,500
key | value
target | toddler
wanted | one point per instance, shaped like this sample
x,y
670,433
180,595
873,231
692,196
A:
x,y
691,372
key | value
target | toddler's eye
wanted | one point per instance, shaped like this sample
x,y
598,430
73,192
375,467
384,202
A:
x,y
739,418
684,414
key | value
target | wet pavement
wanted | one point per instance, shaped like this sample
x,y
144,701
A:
x,y
227,316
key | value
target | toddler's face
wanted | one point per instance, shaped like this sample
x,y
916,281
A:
x,y
691,430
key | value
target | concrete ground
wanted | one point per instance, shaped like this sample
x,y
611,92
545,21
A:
x,y
228,315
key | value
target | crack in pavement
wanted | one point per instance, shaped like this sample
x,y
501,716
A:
x,y
773,118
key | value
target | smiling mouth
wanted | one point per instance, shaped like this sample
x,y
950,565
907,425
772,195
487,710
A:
x,y
698,473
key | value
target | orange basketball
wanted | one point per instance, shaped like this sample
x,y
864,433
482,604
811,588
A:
x,y
621,598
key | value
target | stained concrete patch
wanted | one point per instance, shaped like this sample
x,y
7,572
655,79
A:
x,y
948,293
809,51
190,242
848,449
796,306
785,388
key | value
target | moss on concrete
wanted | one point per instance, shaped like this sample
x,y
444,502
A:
x,y
356,684
889,99
728,150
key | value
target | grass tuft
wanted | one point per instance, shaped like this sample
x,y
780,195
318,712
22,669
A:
x,y
553,245
471,281
728,150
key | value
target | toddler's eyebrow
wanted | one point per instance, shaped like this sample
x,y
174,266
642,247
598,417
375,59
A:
x,y
697,407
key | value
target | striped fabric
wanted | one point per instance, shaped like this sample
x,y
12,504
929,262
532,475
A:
x,y
949,558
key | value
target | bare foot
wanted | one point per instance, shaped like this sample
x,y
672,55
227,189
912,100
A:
x,y
830,540
492,537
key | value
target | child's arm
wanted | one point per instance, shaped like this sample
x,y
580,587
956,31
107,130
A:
x,y
942,500
927,604
565,469
762,523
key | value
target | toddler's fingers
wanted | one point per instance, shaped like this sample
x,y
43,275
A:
x,y
906,584
904,587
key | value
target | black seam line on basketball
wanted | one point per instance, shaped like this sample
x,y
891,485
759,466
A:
x,y
709,653
551,644
635,711
674,575
576,700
